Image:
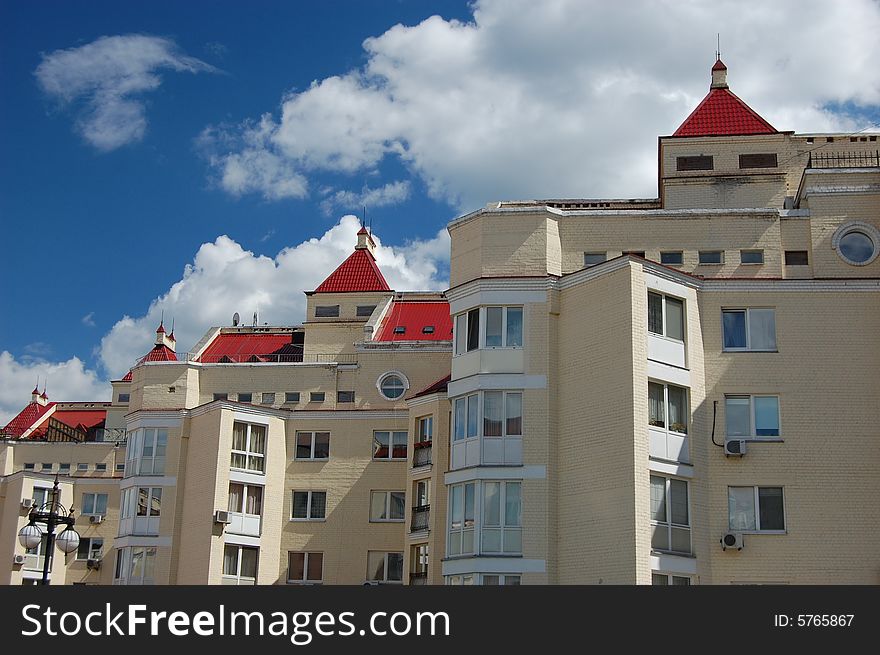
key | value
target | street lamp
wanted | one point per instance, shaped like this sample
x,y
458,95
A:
x,y
52,514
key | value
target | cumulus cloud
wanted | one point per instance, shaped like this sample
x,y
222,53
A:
x,y
69,380
560,98
107,78
392,193
225,278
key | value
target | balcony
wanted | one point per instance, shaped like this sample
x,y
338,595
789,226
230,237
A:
x,y
420,517
418,578
421,454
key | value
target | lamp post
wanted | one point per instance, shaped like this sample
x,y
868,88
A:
x,y
52,515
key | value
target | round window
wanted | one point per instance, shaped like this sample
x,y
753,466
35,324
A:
x,y
857,243
392,385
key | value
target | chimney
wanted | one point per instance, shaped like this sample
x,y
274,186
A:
x,y
719,75
163,339
365,241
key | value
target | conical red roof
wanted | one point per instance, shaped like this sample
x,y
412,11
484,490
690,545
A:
x,y
357,273
722,113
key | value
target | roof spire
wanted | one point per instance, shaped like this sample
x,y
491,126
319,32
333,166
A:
x,y
719,70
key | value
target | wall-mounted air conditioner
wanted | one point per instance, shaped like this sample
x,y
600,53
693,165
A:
x,y
735,447
27,503
95,519
18,559
732,540
221,516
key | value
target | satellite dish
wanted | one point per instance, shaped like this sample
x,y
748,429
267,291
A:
x,y
235,319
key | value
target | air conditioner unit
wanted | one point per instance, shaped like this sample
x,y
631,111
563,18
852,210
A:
x,y
93,564
221,516
96,518
732,540
18,559
735,447
27,503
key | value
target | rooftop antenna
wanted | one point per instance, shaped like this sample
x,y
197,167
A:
x,y
162,320
718,48
172,325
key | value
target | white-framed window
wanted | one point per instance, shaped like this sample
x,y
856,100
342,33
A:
x,y
149,501
711,257
305,568
140,509
240,565
668,407
749,257
267,398
392,385
502,414
64,467
46,466
389,444
751,417
316,396
466,416
751,328
135,566
312,446
670,515
100,467
418,561
82,467
422,493
756,509
384,567
248,447
90,548
29,466
425,429
462,516
594,258
857,243
387,506
94,504
666,316
460,580
503,328
123,398
245,499
492,579
291,396
501,523
467,331
145,452
309,506
669,579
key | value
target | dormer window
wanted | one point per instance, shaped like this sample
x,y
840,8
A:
x,y
400,329
428,329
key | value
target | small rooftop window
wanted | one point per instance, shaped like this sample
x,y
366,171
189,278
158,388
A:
x,y
400,329
428,329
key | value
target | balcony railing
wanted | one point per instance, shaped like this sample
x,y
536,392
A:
x,y
111,435
421,454
273,358
418,578
420,517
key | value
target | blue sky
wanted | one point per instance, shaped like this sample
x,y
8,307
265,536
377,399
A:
x,y
179,157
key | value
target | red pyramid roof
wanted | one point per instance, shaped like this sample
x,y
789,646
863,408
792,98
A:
x,y
160,353
357,273
722,113
719,66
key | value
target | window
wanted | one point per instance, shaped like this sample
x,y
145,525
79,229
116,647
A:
x,y
467,331
666,316
425,429
665,579
248,447
326,311
387,505
749,329
384,567
245,397
149,501
694,163
29,466
316,397
267,398
751,416
64,467
796,258
309,505
46,466
667,400
711,257
399,329
40,496
428,329
392,385
751,256
673,258
504,327
135,566
856,243
120,468
756,509
123,398
221,396
305,567
422,493
90,548
312,445
670,520
461,519
418,562
245,499
502,414
504,580
467,412
459,580
240,565
501,529
365,310
345,396
593,258
94,504
101,467
291,397
389,445
79,467
761,160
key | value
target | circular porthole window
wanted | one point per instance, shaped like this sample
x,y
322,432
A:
x,y
856,243
392,385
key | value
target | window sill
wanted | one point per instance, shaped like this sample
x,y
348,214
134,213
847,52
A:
x,y
760,532
675,553
749,350
324,520
753,439
311,459
387,521
249,471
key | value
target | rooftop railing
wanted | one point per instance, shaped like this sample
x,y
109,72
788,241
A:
x,y
862,159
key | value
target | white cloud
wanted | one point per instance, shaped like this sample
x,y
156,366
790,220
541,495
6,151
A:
x,y
89,319
68,380
108,76
560,98
225,278
392,193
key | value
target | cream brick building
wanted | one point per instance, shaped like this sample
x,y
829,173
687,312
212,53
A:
x,y
629,385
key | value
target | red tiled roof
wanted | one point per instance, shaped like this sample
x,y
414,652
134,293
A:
x,y
32,413
159,353
439,385
719,66
82,419
127,377
238,347
414,317
722,113
357,273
